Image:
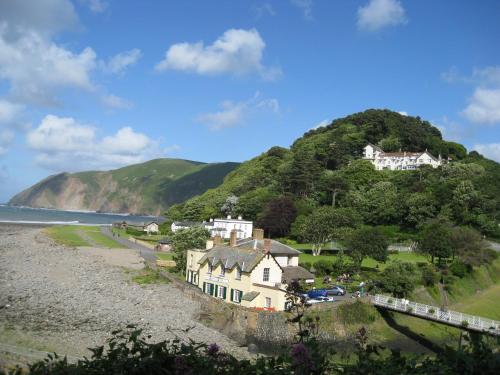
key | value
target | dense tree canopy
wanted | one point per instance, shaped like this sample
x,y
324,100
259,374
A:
x,y
325,167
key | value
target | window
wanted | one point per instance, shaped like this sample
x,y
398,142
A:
x,y
208,288
268,302
236,295
221,292
222,271
238,274
191,261
209,268
289,261
266,275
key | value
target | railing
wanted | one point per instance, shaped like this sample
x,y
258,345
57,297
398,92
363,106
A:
x,y
454,318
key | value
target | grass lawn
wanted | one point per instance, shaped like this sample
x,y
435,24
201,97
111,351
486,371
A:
x,y
149,276
368,262
70,235
164,256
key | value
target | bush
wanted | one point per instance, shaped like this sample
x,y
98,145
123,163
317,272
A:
x,y
306,265
429,275
134,232
460,269
323,267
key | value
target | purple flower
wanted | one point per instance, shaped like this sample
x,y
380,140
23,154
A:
x,y
213,350
300,355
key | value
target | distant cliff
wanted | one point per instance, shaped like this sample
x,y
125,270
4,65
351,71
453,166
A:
x,y
147,188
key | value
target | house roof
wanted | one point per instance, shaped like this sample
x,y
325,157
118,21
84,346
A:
x,y
187,223
277,248
375,147
295,273
246,259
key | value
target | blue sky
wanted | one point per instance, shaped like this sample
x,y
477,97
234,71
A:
x,y
98,84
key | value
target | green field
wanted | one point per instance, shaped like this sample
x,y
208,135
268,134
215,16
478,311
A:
x,y
80,235
367,262
164,256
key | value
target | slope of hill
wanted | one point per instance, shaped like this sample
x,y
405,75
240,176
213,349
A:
x,y
147,188
465,191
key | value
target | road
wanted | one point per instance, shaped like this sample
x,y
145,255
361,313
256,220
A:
x,y
146,253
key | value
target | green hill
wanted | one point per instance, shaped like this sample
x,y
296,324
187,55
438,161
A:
x,y
327,160
149,188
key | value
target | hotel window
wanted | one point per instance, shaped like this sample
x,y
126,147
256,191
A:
x,y
238,274
268,302
209,268
236,295
222,271
266,275
221,292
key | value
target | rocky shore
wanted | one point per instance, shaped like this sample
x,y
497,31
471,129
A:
x,y
56,298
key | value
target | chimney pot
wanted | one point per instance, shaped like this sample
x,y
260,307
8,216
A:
x,y
232,238
218,240
211,220
258,234
267,245
229,217
240,217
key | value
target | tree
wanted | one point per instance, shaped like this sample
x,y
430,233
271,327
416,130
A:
x,y
229,205
367,242
326,224
333,183
435,240
278,216
468,245
399,279
184,240
420,207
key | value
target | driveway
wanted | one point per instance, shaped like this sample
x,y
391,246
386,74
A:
x,y
148,254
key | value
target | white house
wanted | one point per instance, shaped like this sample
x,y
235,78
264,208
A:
x,y
152,227
221,227
399,160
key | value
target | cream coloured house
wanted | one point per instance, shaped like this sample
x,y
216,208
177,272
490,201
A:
x,y
219,227
251,273
399,160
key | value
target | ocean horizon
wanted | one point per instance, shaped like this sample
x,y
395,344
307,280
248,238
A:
x,y
50,216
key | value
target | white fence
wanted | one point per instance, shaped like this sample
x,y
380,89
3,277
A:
x,y
454,318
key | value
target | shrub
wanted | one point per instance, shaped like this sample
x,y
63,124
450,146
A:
x,y
323,267
429,275
460,269
306,265
134,232
431,311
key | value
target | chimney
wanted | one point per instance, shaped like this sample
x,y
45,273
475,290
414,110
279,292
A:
x,y
211,220
229,217
258,234
233,238
267,245
240,217
210,244
218,240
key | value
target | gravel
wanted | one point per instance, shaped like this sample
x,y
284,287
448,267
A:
x,y
70,299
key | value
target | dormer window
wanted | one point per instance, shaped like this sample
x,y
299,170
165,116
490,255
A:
x,y
209,268
222,271
238,274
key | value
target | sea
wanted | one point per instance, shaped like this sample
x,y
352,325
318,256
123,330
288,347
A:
x,y
28,215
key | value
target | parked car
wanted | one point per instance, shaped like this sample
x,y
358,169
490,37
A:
x,y
315,293
336,291
316,300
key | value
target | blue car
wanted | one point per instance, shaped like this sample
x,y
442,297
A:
x,y
315,293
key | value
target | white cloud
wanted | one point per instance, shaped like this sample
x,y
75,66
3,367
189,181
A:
x,y
490,150
378,14
264,9
233,114
96,6
321,124
484,106
305,6
36,68
118,63
9,111
115,102
45,17
236,52
62,143
403,113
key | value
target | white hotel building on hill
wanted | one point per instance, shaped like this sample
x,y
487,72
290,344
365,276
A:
x,y
399,160
221,227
